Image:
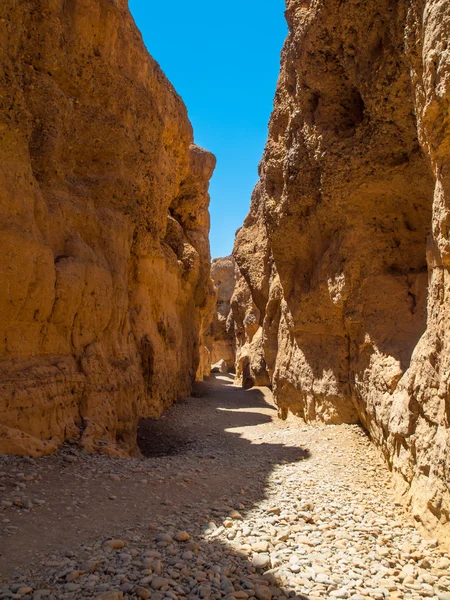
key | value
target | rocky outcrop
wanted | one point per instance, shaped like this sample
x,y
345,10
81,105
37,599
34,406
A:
x,y
104,278
344,257
250,356
206,333
222,329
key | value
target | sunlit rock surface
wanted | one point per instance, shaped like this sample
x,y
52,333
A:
x,y
104,277
344,257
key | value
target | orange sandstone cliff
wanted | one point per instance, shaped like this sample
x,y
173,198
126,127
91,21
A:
x,y
223,277
104,277
344,257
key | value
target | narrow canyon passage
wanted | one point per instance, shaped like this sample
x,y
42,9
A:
x,y
238,504
119,477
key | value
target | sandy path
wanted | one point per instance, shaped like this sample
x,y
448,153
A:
x,y
314,504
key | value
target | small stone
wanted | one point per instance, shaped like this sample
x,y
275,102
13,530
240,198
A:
x,y
443,563
159,582
263,592
260,560
273,511
339,593
260,546
141,592
73,576
125,557
114,544
164,537
110,596
204,591
194,546
90,567
234,514
182,536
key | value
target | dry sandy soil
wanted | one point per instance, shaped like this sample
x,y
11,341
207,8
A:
x,y
229,502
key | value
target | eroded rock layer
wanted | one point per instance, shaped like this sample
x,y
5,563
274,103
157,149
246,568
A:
x,y
104,275
344,256
222,329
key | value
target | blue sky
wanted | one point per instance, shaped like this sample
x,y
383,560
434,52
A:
x,y
223,59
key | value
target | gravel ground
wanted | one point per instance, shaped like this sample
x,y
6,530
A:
x,y
230,503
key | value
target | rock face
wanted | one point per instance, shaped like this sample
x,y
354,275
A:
x,y
222,330
344,257
104,278
251,366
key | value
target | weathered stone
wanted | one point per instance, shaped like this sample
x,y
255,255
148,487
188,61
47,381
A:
x,y
236,515
110,596
104,277
263,592
182,536
343,261
260,560
115,544
222,331
159,582
260,546
164,537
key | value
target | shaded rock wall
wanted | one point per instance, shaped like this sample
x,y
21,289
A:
x,y
250,353
206,333
222,329
344,255
104,278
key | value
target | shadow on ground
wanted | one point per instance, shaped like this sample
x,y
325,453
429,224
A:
x,y
200,462
162,437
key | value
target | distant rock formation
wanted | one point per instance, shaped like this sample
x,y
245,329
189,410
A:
x,y
344,258
222,330
104,277
251,368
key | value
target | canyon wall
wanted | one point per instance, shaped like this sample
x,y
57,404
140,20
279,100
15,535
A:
x,y
341,300
104,278
222,328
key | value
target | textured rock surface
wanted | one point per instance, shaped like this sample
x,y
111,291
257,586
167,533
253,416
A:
x,y
206,333
250,360
104,276
344,256
222,330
